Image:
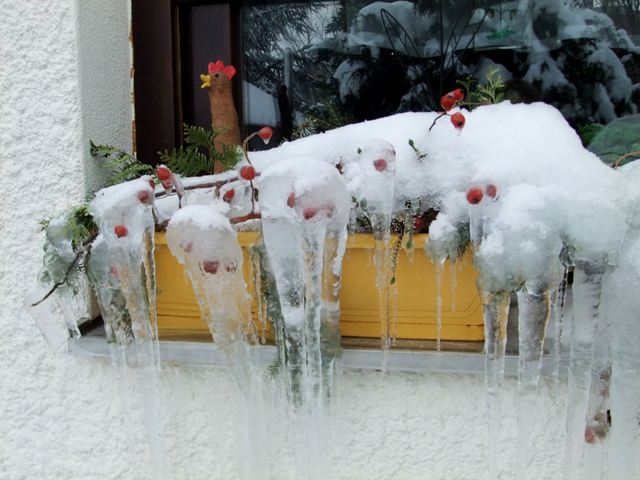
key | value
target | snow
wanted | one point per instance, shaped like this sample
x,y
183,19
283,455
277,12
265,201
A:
x,y
545,204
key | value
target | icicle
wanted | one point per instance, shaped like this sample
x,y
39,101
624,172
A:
x,y
594,456
454,283
622,304
558,317
122,269
439,270
256,268
382,262
203,240
587,288
304,206
496,316
378,164
534,309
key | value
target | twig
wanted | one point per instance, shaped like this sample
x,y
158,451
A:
x,y
616,164
250,216
437,118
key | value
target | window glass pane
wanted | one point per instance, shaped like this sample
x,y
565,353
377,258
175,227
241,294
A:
x,y
310,66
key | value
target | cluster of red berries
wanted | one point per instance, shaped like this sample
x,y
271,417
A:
x,y
310,212
449,101
476,194
212,266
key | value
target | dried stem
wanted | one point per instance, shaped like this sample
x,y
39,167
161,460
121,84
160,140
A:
x,y
442,114
616,164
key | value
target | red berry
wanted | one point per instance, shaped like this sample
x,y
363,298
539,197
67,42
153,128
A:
x,y
144,197
380,165
228,195
265,133
458,120
418,224
163,173
291,200
248,172
309,213
152,184
210,266
589,435
120,231
474,195
491,191
231,267
458,93
448,101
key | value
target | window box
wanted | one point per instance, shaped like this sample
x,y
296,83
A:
x,y
179,315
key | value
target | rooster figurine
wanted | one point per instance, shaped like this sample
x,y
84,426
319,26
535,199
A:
x,y
224,117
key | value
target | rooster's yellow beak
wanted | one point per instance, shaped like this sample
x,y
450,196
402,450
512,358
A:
x,y
206,81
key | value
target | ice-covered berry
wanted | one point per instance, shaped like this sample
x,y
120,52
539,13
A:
x,y
210,266
231,267
291,200
228,195
491,191
265,133
448,101
380,164
474,195
457,119
163,173
248,172
145,197
309,213
120,231
458,94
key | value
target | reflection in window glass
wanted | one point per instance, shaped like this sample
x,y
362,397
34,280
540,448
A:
x,y
317,65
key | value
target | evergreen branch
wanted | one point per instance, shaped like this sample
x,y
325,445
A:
x,y
122,165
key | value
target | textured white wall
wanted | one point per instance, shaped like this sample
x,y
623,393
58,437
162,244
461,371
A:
x,y
64,79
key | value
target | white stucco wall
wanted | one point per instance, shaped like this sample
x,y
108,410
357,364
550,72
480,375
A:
x,y
63,79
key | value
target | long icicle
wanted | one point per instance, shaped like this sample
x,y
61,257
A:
x,y
534,311
587,289
496,316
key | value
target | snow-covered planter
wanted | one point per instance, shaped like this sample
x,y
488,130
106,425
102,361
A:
x,y
511,182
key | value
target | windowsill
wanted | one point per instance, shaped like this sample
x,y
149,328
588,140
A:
x,y
358,354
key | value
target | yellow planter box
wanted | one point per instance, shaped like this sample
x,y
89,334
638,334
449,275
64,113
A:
x,y
178,313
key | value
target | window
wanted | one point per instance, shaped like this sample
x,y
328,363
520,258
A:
x,y
309,66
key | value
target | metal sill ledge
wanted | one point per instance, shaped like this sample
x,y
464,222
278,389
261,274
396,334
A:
x,y
207,354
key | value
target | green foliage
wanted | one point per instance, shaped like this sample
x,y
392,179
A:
x,y
588,132
321,118
487,93
80,225
122,165
419,153
197,155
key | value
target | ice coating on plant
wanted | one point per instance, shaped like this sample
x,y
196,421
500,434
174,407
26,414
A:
x,y
375,193
71,298
122,271
202,239
305,210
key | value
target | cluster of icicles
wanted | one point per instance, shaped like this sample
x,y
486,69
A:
x,y
300,255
